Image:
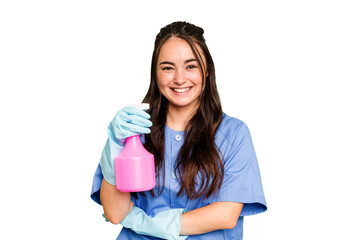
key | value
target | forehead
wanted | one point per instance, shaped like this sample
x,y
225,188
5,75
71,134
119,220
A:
x,y
176,48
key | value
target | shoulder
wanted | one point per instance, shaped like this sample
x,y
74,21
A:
x,y
230,122
231,128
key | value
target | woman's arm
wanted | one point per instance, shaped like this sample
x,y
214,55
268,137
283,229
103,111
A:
x,y
116,204
215,216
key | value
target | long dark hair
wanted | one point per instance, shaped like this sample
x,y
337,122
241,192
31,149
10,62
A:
x,y
199,154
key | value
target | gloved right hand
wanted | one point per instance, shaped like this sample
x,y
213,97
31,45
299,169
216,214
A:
x,y
128,121
165,225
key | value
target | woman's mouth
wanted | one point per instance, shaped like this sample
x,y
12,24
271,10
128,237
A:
x,y
181,90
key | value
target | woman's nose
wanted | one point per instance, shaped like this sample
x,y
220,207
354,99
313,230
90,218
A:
x,y
179,77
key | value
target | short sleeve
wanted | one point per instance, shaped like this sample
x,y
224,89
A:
x,y
242,180
97,182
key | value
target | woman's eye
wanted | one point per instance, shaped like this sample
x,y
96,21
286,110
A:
x,y
192,67
167,68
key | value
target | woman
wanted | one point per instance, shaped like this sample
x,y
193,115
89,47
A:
x,y
207,172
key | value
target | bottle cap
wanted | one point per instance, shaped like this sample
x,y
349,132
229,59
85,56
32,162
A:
x,y
143,106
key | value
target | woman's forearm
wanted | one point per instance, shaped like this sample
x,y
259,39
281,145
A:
x,y
116,204
215,216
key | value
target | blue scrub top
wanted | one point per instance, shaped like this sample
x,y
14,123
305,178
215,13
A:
x,y
241,183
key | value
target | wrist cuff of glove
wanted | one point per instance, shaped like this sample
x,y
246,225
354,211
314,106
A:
x,y
164,224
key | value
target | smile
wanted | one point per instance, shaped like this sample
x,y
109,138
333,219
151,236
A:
x,y
181,90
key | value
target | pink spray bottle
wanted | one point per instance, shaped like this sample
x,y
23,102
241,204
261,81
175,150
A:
x,y
134,166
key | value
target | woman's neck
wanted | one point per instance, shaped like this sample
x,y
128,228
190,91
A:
x,y
178,117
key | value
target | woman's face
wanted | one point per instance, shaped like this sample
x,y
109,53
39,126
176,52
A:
x,y
179,74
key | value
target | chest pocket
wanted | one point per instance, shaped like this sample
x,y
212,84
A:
x,y
176,202
200,202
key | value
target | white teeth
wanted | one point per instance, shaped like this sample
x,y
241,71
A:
x,y
181,90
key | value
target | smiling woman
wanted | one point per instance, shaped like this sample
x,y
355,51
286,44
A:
x,y
179,76
207,171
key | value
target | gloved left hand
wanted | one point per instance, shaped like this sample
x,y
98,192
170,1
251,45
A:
x,y
165,225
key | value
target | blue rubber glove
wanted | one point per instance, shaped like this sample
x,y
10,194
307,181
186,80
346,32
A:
x,y
165,225
128,121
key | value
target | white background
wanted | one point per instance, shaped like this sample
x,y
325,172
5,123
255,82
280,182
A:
x,y
289,69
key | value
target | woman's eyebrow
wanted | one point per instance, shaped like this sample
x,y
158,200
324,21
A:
x,y
173,64
190,60
166,62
